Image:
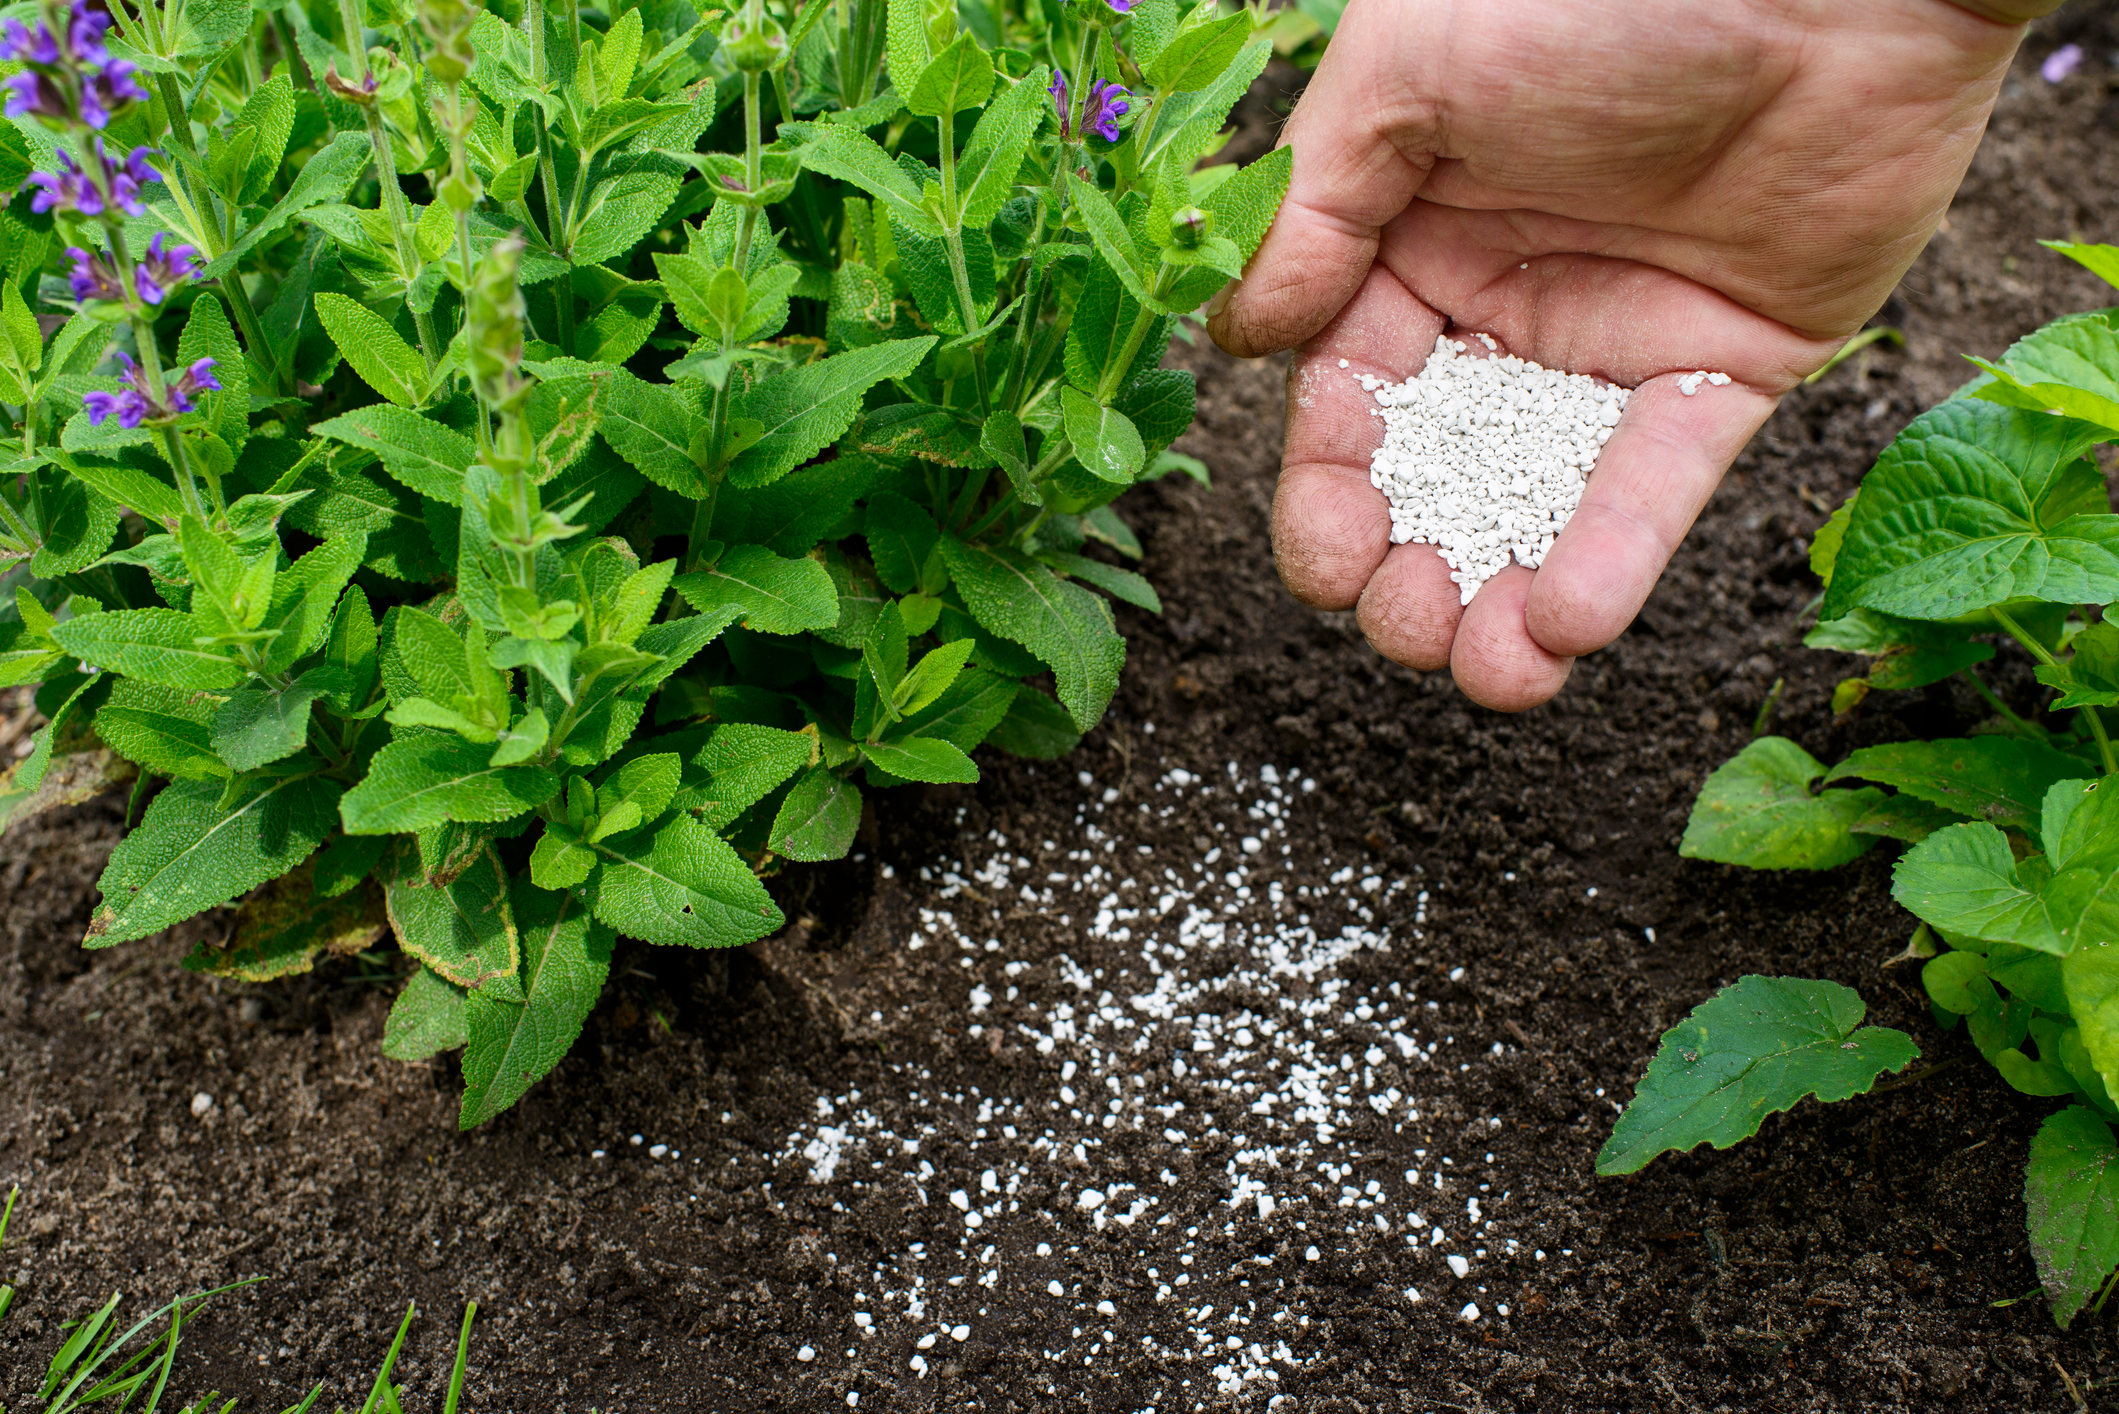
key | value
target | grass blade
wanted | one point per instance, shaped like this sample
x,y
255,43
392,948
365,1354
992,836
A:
x,y
382,1376
463,1352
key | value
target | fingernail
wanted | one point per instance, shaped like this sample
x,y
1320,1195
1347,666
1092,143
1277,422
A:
x,y
1221,300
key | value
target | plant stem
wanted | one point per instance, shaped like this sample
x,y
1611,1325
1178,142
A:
x,y
2089,714
386,173
953,244
2029,729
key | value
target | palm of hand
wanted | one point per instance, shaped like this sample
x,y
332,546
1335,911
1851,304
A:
x,y
1634,191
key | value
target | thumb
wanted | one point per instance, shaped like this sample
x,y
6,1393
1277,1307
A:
x,y
1349,179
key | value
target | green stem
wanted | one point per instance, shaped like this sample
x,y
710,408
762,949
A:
x,y
2089,714
386,173
953,244
702,525
2029,729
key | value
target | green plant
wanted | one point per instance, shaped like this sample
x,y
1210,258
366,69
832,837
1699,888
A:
x,y
695,416
1988,516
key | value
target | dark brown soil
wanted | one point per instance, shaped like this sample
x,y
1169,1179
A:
x,y
1851,1257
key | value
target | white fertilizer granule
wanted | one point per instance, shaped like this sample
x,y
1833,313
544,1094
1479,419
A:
x,y
1484,458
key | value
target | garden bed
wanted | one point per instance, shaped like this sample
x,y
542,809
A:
x,y
1850,1258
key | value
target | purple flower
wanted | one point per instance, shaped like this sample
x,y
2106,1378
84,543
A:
x,y
35,48
1123,7
2061,62
1058,89
91,278
76,79
134,403
106,89
30,93
1102,109
69,188
162,268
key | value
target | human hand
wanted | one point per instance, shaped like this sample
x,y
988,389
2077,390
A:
x,y
1634,190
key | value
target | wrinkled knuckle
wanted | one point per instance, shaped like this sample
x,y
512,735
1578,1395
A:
x,y
1405,624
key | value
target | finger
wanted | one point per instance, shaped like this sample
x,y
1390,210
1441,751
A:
x,y
1331,526
1523,278
1495,658
1349,178
1651,481
1409,610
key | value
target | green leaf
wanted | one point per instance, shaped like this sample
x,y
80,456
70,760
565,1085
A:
x,y
427,1018
425,778
1119,583
1001,437
932,676
993,155
972,706
2071,1207
1901,817
269,113
566,957
384,361
1975,506
188,854
154,645
464,929
2071,366
744,763
161,729
902,537
1757,810
805,409
959,77
649,424
2002,780
1035,727
1750,1050
906,41
208,334
420,452
1113,241
818,818
2100,260
921,759
1067,627
1966,879
326,176
681,887
1198,54
855,157
775,595
1104,439
284,928
2090,676
1904,653
1194,120
260,724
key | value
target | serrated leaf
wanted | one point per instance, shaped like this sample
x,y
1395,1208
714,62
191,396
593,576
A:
x,y
959,77
188,855
260,724
384,361
921,759
855,157
2002,780
287,926
426,1019
818,818
1751,1050
2071,1207
1757,810
2070,366
901,536
649,424
327,176
420,452
805,409
2090,676
1973,506
1068,628
682,886
1968,880
1105,441
465,929
566,956
1194,119
994,153
744,763
774,595
424,779
1196,56
162,729
154,645
1122,584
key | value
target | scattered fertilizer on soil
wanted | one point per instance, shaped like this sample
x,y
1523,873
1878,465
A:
x,y
1486,458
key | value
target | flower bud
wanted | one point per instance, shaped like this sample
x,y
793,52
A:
x,y
448,28
494,317
461,193
1190,226
755,51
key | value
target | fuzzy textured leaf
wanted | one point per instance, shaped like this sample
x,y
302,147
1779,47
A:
x,y
1757,810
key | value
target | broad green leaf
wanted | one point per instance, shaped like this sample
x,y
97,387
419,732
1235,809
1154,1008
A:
x,y
1119,583
818,818
418,451
427,1018
932,676
384,361
921,759
1194,119
681,886
1104,439
1966,879
1757,810
2032,1077
2035,976
285,927
1904,653
2002,780
974,704
775,595
1113,241
906,42
2100,260
425,778
155,499
1751,1050
805,409
153,645
2071,1207
343,863
269,112
902,537
855,157
1159,402
1066,626
1901,817
326,176
1001,437
305,596
566,956
744,763
260,724
161,729
994,153
188,854
958,78
1198,54
1958,982
465,929
84,698
649,424
2090,676
2071,366
208,334
1974,506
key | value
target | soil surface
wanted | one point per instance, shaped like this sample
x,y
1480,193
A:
x,y
1254,1070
